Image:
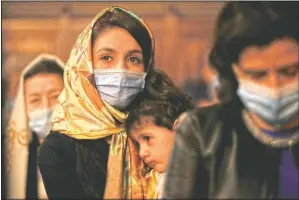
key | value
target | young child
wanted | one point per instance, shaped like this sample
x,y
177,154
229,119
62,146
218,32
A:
x,y
150,126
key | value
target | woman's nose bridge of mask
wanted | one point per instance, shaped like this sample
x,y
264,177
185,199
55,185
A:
x,y
46,102
273,79
41,102
121,63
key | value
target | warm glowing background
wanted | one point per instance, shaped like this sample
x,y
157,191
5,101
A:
x,y
183,32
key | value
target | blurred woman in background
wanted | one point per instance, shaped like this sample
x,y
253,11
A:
x,y
39,87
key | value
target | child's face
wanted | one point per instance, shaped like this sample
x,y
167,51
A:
x,y
155,145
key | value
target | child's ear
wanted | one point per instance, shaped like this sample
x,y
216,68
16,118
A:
x,y
178,121
175,124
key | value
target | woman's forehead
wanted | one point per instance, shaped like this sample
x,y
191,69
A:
x,y
116,38
278,53
43,83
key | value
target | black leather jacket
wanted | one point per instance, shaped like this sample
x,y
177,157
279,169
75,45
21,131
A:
x,y
215,156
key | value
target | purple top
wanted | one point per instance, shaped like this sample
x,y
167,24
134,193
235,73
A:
x,y
288,172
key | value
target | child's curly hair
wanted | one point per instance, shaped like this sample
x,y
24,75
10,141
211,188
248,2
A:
x,y
161,113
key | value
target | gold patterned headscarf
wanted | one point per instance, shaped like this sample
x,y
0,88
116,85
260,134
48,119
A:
x,y
81,114
19,137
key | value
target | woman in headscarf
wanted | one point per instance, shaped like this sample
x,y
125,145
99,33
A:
x,y
39,87
88,154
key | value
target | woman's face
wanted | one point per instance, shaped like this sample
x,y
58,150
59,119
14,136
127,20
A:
x,y
155,144
115,48
274,65
42,91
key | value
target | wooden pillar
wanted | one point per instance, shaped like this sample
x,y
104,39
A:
x,y
63,36
170,42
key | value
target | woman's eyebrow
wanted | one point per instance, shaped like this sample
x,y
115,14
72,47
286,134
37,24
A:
x,y
253,70
105,49
282,67
31,95
135,51
54,90
245,68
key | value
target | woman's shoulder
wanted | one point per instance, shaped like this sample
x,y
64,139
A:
x,y
57,139
202,116
57,146
202,125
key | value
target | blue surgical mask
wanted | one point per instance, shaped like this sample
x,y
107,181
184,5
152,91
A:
x,y
40,122
274,106
119,87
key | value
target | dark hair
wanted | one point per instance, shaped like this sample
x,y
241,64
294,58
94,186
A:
x,y
44,67
159,87
241,24
163,113
119,18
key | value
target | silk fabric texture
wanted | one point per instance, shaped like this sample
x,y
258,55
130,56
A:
x,y
19,138
82,114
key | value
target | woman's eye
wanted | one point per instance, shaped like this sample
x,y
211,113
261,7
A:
x,y
135,60
34,101
147,138
256,75
106,58
290,71
54,97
